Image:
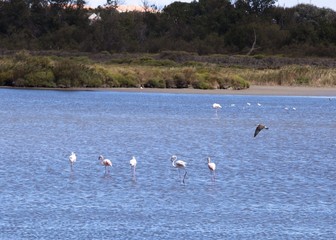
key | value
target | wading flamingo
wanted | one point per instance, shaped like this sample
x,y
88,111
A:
x,y
212,168
105,162
216,106
133,163
72,159
179,164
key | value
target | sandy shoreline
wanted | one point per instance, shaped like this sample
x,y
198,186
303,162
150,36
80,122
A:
x,y
253,90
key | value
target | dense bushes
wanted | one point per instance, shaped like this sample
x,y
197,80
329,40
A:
x,y
24,70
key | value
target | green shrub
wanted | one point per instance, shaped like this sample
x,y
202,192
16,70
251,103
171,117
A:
x,y
22,55
40,79
259,56
224,83
72,74
302,81
123,80
235,82
202,85
239,83
176,56
6,78
180,81
170,83
155,83
121,61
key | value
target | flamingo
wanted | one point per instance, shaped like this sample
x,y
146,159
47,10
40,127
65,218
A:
x,y
72,159
133,163
216,106
179,164
105,162
259,128
212,167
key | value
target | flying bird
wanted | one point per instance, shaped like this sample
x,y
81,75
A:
x,y
105,162
259,128
179,164
212,167
72,159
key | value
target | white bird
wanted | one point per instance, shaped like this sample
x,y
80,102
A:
x,y
212,167
216,106
133,163
105,162
72,159
249,104
259,104
179,164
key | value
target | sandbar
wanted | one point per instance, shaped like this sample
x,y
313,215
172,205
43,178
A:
x,y
253,90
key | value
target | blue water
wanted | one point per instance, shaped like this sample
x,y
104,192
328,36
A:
x,y
279,185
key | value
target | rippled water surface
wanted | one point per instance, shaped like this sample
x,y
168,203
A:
x,y
279,185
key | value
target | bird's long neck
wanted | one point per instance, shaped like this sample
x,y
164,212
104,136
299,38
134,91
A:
x,y
174,163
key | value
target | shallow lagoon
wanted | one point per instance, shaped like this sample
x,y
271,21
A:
x,y
279,185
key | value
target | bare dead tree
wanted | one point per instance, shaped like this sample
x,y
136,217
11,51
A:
x,y
113,4
254,43
145,5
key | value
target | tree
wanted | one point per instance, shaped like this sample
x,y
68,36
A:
x,y
254,6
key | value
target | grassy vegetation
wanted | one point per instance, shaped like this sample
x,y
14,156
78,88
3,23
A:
x,y
25,70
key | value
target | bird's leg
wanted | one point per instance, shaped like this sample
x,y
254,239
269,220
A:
x,y
185,174
214,176
179,174
134,177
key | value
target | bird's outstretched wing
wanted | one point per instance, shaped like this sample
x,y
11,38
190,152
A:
x,y
259,128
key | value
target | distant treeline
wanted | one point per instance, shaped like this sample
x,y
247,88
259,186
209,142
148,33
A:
x,y
203,27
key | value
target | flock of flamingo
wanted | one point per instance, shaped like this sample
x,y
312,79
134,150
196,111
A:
x,y
103,161
178,164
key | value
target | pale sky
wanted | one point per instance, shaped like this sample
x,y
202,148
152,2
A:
x,y
161,3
